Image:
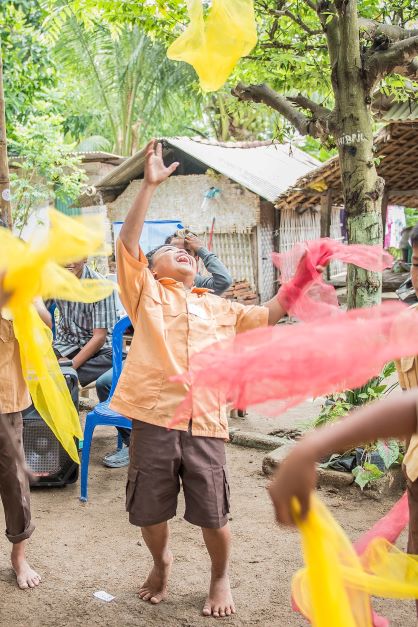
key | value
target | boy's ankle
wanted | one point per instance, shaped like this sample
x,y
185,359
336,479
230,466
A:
x,y
216,573
164,560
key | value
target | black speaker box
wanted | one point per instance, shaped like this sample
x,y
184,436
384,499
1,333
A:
x,y
50,464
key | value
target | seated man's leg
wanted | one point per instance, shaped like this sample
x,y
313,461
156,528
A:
x,y
103,385
14,492
118,458
94,367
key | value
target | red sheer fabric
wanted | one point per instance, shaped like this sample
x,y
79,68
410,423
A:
x,y
305,295
287,364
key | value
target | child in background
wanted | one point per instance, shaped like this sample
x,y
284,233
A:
x,y
14,484
173,320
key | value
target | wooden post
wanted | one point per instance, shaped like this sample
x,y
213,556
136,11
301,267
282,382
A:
x,y
326,206
5,206
385,202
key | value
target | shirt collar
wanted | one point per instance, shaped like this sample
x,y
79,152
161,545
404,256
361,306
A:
x,y
194,290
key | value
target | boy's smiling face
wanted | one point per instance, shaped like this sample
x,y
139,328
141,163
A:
x,y
174,263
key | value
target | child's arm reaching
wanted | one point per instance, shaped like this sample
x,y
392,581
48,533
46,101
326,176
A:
x,y
155,173
394,417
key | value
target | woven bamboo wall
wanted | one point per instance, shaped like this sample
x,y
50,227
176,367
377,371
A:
x,y
267,285
295,227
237,252
181,197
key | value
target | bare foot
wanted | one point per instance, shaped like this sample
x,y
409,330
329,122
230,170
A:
x,y
219,602
26,577
154,589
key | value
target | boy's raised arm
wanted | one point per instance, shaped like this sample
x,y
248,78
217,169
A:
x,y
394,417
155,173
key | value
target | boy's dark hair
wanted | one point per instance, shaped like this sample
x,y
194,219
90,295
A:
x,y
170,238
151,254
2,224
414,236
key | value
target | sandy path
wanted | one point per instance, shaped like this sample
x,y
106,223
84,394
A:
x,y
81,548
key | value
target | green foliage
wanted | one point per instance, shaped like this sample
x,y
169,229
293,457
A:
x,y
29,71
337,406
123,88
291,54
45,169
367,474
316,149
411,216
388,451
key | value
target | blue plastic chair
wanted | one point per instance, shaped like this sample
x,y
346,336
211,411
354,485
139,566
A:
x,y
102,415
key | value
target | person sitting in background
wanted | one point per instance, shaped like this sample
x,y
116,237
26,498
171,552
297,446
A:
x,y
218,281
84,330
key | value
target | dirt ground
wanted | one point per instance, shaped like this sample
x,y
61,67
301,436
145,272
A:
x,y
82,548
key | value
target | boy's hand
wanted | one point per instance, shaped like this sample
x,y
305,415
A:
x,y
192,243
155,171
296,477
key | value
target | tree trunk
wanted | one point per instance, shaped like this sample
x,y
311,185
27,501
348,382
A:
x,y
5,206
362,187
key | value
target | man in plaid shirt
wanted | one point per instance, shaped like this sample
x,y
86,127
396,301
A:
x,y
84,330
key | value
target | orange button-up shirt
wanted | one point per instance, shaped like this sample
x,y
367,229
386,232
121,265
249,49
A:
x,y
171,324
14,395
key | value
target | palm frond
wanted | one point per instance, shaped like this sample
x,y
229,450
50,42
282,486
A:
x,y
94,143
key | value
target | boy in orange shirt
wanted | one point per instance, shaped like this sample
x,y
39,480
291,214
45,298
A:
x,y
172,321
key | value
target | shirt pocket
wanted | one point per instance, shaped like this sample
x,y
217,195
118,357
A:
x,y
141,385
6,331
225,325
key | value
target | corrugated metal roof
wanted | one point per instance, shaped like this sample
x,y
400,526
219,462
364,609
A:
x,y
400,112
265,168
100,155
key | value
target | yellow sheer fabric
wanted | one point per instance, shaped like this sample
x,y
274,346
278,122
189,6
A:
x,y
335,586
214,46
32,270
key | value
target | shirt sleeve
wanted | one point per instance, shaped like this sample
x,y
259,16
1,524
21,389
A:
x,y
133,276
105,313
206,282
220,280
249,317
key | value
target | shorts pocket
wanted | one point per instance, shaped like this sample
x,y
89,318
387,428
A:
x,y
131,488
227,492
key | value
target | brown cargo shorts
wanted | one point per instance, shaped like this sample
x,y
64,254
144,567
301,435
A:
x,y
14,483
159,458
